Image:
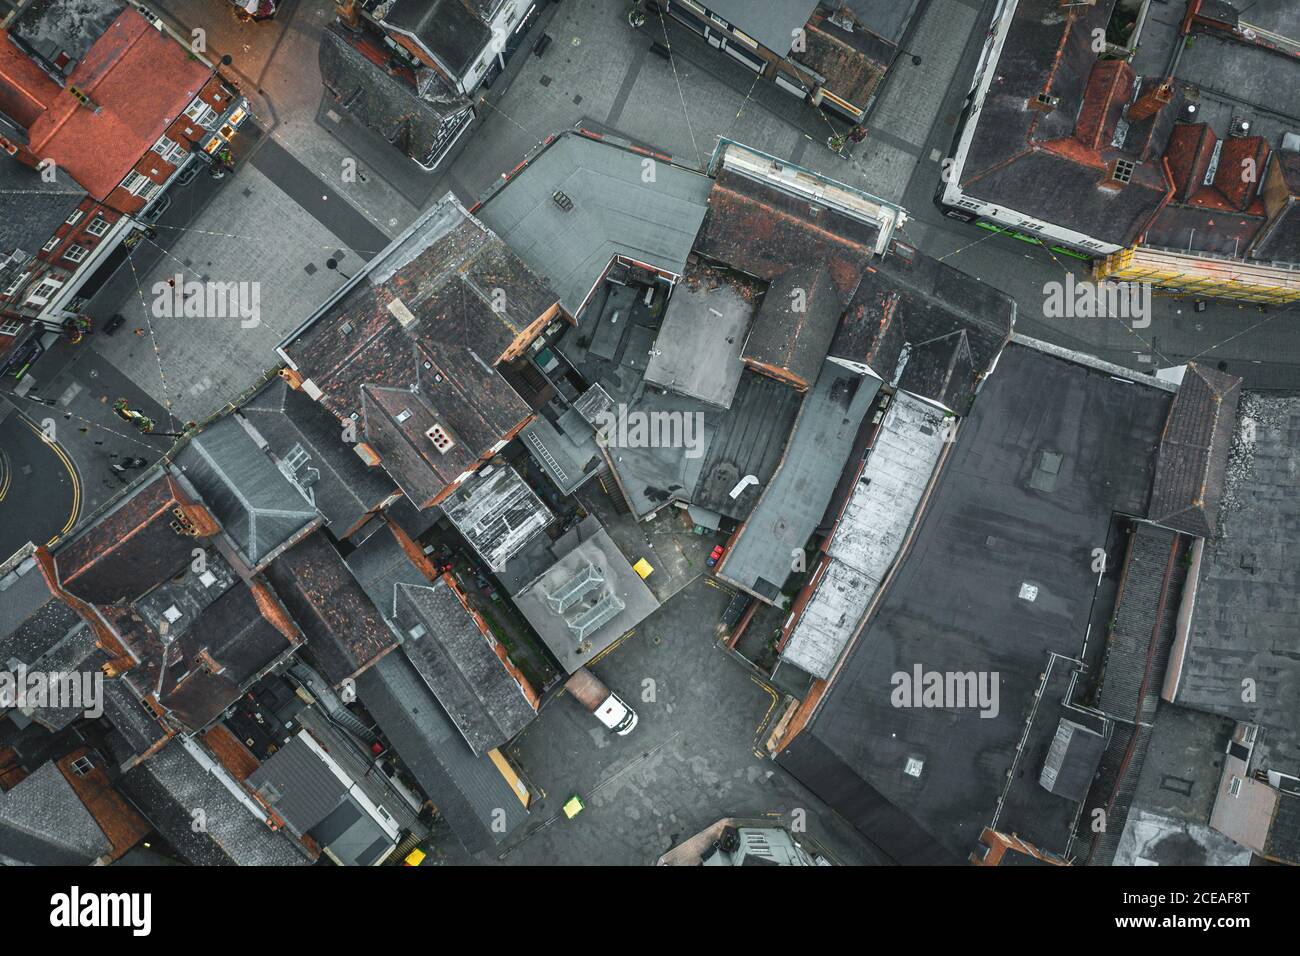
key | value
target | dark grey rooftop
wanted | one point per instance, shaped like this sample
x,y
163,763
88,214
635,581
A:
x,y
705,327
343,486
298,785
497,513
955,604
44,823
259,508
32,619
772,23
791,505
167,788
393,106
380,565
71,27
614,212
31,209
469,791
451,651
1244,622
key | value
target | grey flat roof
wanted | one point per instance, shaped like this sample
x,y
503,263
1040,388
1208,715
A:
x,y
610,575
955,604
790,508
870,530
697,350
298,785
770,22
615,212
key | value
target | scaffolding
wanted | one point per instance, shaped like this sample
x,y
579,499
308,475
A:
x,y
1220,278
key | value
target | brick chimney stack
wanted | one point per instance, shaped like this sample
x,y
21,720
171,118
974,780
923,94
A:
x,y
1150,102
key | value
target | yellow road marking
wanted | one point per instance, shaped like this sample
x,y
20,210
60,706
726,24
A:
x,y
72,473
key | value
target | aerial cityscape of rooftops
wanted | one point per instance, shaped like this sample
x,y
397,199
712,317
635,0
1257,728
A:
x,y
649,432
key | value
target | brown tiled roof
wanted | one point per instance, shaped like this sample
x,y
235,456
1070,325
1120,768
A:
x,y
345,632
134,546
1194,451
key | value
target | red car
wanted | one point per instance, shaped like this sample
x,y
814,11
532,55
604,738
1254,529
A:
x,y
716,554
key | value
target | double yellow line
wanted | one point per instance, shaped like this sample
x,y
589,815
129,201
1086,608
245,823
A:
x,y
72,473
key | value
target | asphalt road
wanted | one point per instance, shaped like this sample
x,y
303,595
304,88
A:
x,y
40,490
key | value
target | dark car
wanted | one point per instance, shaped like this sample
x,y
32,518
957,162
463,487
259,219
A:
x,y
113,324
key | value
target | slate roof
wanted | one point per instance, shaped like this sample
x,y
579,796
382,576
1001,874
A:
x,y
411,342
130,548
793,329
387,101
452,30
925,327
233,640
1194,451
614,212
44,823
344,488
298,785
344,630
32,619
31,209
259,508
171,784
462,664
379,565
466,789
1049,164
1279,240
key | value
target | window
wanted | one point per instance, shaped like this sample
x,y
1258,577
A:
x,y
76,253
138,185
75,217
169,150
82,766
97,226
10,327
201,113
13,287
51,245
1123,170
41,294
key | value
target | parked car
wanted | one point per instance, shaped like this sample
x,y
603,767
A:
x,y
716,554
113,324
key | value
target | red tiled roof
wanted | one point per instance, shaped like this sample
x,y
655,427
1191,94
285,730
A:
x,y
24,88
140,79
